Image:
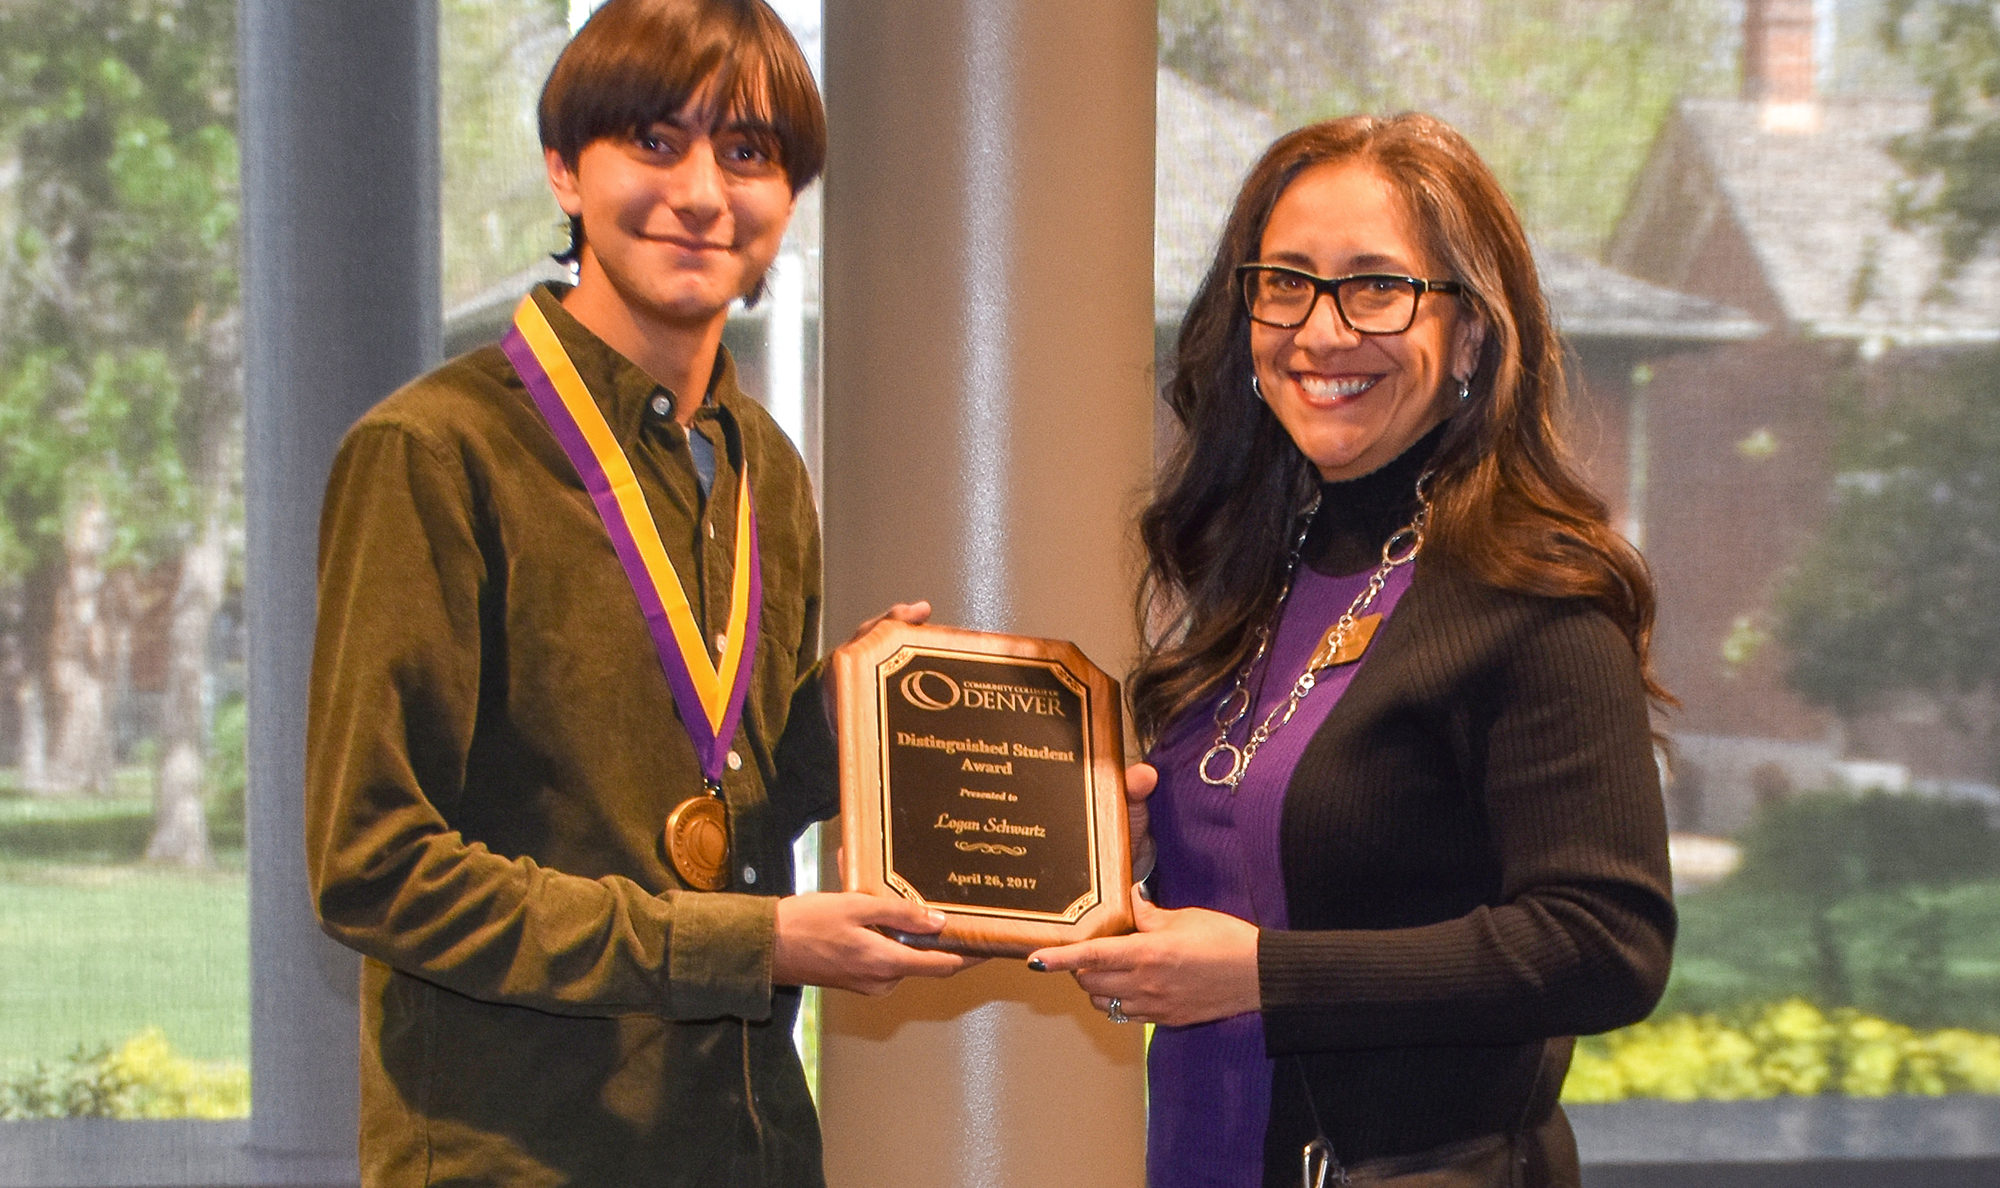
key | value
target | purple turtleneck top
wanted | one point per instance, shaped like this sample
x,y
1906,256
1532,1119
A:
x,y
1210,1084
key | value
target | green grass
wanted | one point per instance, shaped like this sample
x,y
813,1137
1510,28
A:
x,y
95,946
93,956
1927,958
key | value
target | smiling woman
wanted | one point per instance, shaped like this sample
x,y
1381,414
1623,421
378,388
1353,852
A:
x,y
1408,825
1410,196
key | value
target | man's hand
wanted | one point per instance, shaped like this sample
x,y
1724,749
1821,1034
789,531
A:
x,y
830,939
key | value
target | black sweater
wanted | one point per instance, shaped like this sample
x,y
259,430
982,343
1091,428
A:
x,y
1474,855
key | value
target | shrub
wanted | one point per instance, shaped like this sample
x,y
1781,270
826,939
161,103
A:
x,y
228,771
1827,846
1791,1047
141,1078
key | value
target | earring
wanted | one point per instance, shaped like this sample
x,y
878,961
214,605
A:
x,y
1464,390
1257,387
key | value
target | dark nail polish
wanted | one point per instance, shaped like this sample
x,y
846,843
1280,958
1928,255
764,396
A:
x,y
1038,965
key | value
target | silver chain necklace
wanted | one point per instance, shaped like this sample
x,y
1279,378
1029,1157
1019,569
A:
x,y
1401,548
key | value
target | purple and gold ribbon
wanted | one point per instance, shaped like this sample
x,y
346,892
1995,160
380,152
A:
x,y
709,693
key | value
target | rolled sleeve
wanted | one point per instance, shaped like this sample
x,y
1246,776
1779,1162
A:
x,y
719,956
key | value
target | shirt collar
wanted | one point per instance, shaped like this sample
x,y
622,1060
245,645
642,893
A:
x,y
623,392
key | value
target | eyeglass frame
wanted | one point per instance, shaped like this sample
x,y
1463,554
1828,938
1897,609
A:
x,y
1325,286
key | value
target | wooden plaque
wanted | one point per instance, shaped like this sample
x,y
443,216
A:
x,y
983,776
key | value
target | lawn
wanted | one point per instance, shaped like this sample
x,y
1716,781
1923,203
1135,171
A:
x,y
96,946
1924,957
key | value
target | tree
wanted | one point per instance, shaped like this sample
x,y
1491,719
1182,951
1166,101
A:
x,y
498,216
120,405
1954,161
1562,97
1280,55
1902,590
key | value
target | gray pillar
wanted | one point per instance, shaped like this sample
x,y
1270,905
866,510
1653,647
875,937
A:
x,y
340,297
988,426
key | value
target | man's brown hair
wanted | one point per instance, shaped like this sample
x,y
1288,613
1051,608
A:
x,y
637,63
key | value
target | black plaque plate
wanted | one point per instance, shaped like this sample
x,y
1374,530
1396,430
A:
x,y
983,776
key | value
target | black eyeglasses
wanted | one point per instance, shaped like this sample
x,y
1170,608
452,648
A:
x,y
1369,302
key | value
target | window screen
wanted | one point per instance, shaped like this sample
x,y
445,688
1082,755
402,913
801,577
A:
x,y
123,909
1782,352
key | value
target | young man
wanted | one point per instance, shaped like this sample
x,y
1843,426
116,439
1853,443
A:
x,y
566,718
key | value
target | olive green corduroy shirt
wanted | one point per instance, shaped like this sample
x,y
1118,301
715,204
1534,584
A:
x,y
492,752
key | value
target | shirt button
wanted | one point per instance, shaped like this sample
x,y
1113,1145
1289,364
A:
x,y
711,530
721,642
735,761
750,875
662,406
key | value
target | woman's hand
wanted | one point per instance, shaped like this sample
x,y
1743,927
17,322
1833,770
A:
x,y
913,613
1140,780
1181,967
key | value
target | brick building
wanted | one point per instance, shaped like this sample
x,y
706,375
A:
x,y
1779,203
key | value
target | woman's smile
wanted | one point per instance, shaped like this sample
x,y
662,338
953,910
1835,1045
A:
x,y
1330,389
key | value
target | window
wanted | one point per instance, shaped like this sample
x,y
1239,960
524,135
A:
x,y
1780,388
123,898
124,903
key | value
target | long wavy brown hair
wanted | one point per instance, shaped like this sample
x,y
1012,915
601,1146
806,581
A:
x,y
1508,504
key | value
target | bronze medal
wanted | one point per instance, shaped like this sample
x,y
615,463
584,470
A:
x,y
697,838
1357,641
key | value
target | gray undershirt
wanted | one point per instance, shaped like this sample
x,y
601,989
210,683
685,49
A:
x,y
704,459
